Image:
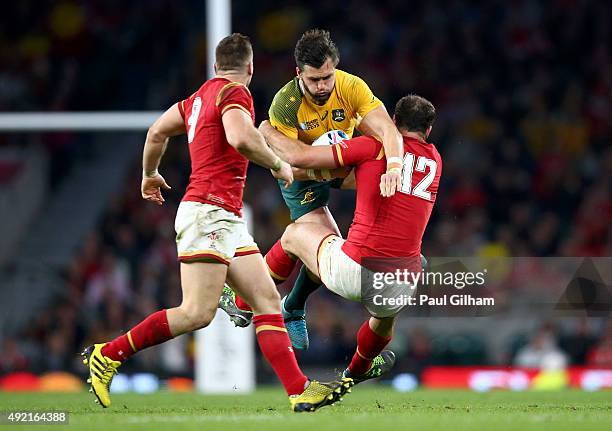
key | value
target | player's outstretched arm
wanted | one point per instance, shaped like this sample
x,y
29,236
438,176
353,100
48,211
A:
x,y
170,123
295,152
378,123
246,139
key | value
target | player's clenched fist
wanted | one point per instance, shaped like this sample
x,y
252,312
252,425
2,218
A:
x,y
391,182
151,188
283,172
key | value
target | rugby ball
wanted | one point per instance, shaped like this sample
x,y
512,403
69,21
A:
x,y
330,138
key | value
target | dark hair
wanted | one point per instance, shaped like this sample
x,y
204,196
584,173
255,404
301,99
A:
x,y
314,48
233,52
414,113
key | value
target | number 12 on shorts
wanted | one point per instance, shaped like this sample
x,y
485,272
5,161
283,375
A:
x,y
423,164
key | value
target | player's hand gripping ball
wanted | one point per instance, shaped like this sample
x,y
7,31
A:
x,y
329,138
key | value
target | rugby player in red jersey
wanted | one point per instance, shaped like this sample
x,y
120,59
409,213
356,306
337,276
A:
x,y
386,231
212,239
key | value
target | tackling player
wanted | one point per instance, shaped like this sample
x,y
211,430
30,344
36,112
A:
x,y
319,99
212,239
383,229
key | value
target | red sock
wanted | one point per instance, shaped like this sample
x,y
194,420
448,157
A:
x,y
151,331
276,347
369,345
242,304
279,263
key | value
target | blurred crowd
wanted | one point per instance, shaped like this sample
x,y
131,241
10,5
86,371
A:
x,y
523,91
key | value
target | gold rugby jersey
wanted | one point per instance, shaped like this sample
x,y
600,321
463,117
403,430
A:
x,y
295,116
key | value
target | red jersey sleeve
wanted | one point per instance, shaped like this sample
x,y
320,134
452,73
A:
x,y
355,151
234,96
181,107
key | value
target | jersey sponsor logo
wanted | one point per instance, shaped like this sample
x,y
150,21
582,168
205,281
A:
x,y
309,196
324,115
214,198
309,125
338,114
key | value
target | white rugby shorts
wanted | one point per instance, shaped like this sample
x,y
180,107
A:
x,y
206,232
343,276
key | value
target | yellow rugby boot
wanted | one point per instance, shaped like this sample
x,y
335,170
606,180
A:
x,y
317,395
101,372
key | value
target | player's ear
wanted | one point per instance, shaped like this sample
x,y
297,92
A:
x,y
428,131
250,69
215,68
297,71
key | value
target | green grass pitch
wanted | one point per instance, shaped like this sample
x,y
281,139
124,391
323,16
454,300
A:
x,y
369,407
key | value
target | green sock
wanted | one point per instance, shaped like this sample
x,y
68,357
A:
x,y
302,288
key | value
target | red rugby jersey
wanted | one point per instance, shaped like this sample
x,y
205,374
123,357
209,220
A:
x,y
218,171
393,226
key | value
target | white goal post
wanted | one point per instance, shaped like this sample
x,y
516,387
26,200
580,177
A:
x,y
98,121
